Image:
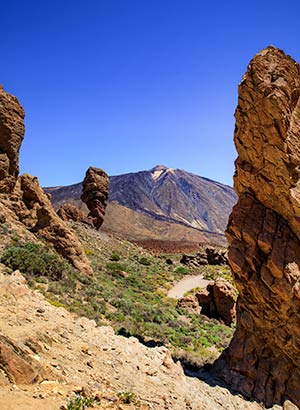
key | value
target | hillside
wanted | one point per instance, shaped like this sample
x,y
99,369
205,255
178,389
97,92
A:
x,y
162,203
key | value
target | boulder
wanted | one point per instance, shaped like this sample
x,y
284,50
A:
x,y
190,304
69,212
194,261
16,363
210,256
263,359
218,301
225,297
11,135
216,256
94,194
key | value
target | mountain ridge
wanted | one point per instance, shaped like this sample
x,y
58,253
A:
x,y
170,196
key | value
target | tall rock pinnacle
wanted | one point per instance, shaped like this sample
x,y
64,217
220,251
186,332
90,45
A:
x,y
11,133
94,194
263,359
24,196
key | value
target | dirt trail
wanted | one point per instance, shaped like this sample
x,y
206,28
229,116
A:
x,y
188,283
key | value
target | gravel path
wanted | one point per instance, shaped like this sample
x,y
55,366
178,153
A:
x,y
188,283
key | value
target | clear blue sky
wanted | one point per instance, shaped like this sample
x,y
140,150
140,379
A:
x,y
128,84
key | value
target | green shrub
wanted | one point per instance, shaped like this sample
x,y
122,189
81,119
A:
x,y
115,257
80,403
127,397
145,261
35,260
182,269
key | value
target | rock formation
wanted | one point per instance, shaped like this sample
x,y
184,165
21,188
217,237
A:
x,y
190,304
211,256
218,301
263,359
23,195
69,212
216,256
94,194
12,133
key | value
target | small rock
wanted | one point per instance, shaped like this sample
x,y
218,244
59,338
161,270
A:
x,y
90,364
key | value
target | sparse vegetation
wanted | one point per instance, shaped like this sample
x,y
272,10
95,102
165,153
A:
x,y
128,291
115,257
128,397
80,403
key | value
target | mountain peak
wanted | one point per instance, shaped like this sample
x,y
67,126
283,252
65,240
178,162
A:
x,y
159,168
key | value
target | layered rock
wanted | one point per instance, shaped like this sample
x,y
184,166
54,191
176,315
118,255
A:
x,y
94,194
263,359
23,196
12,133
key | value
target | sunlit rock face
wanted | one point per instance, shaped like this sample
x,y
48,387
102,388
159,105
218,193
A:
x,y
11,133
94,194
23,195
263,359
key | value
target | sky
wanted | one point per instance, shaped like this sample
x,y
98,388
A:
x,y
125,85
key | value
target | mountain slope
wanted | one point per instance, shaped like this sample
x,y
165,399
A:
x,y
162,194
176,196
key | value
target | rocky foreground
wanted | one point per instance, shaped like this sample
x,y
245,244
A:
x,y
64,354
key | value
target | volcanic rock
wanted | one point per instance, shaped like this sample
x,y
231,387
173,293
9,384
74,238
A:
x,y
263,359
218,301
23,197
215,256
36,212
194,261
12,133
16,364
211,256
190,304
94,194
69,212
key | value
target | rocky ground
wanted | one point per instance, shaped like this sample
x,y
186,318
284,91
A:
x,y
71,354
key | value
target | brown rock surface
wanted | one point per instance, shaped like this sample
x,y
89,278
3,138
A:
x,y
263,359
37,213
190,304
22,199
69,212
94,194
12,133
218,301
16,363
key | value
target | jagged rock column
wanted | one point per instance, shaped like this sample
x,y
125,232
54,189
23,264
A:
x,y
94,194
24,196
263,359
11,133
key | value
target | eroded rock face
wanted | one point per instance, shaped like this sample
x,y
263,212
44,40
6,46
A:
x,y
12,133
37,213
94,194
218,301
263,359
69,212
16,364
23,196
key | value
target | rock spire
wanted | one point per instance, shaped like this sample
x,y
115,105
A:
x,y
263,359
